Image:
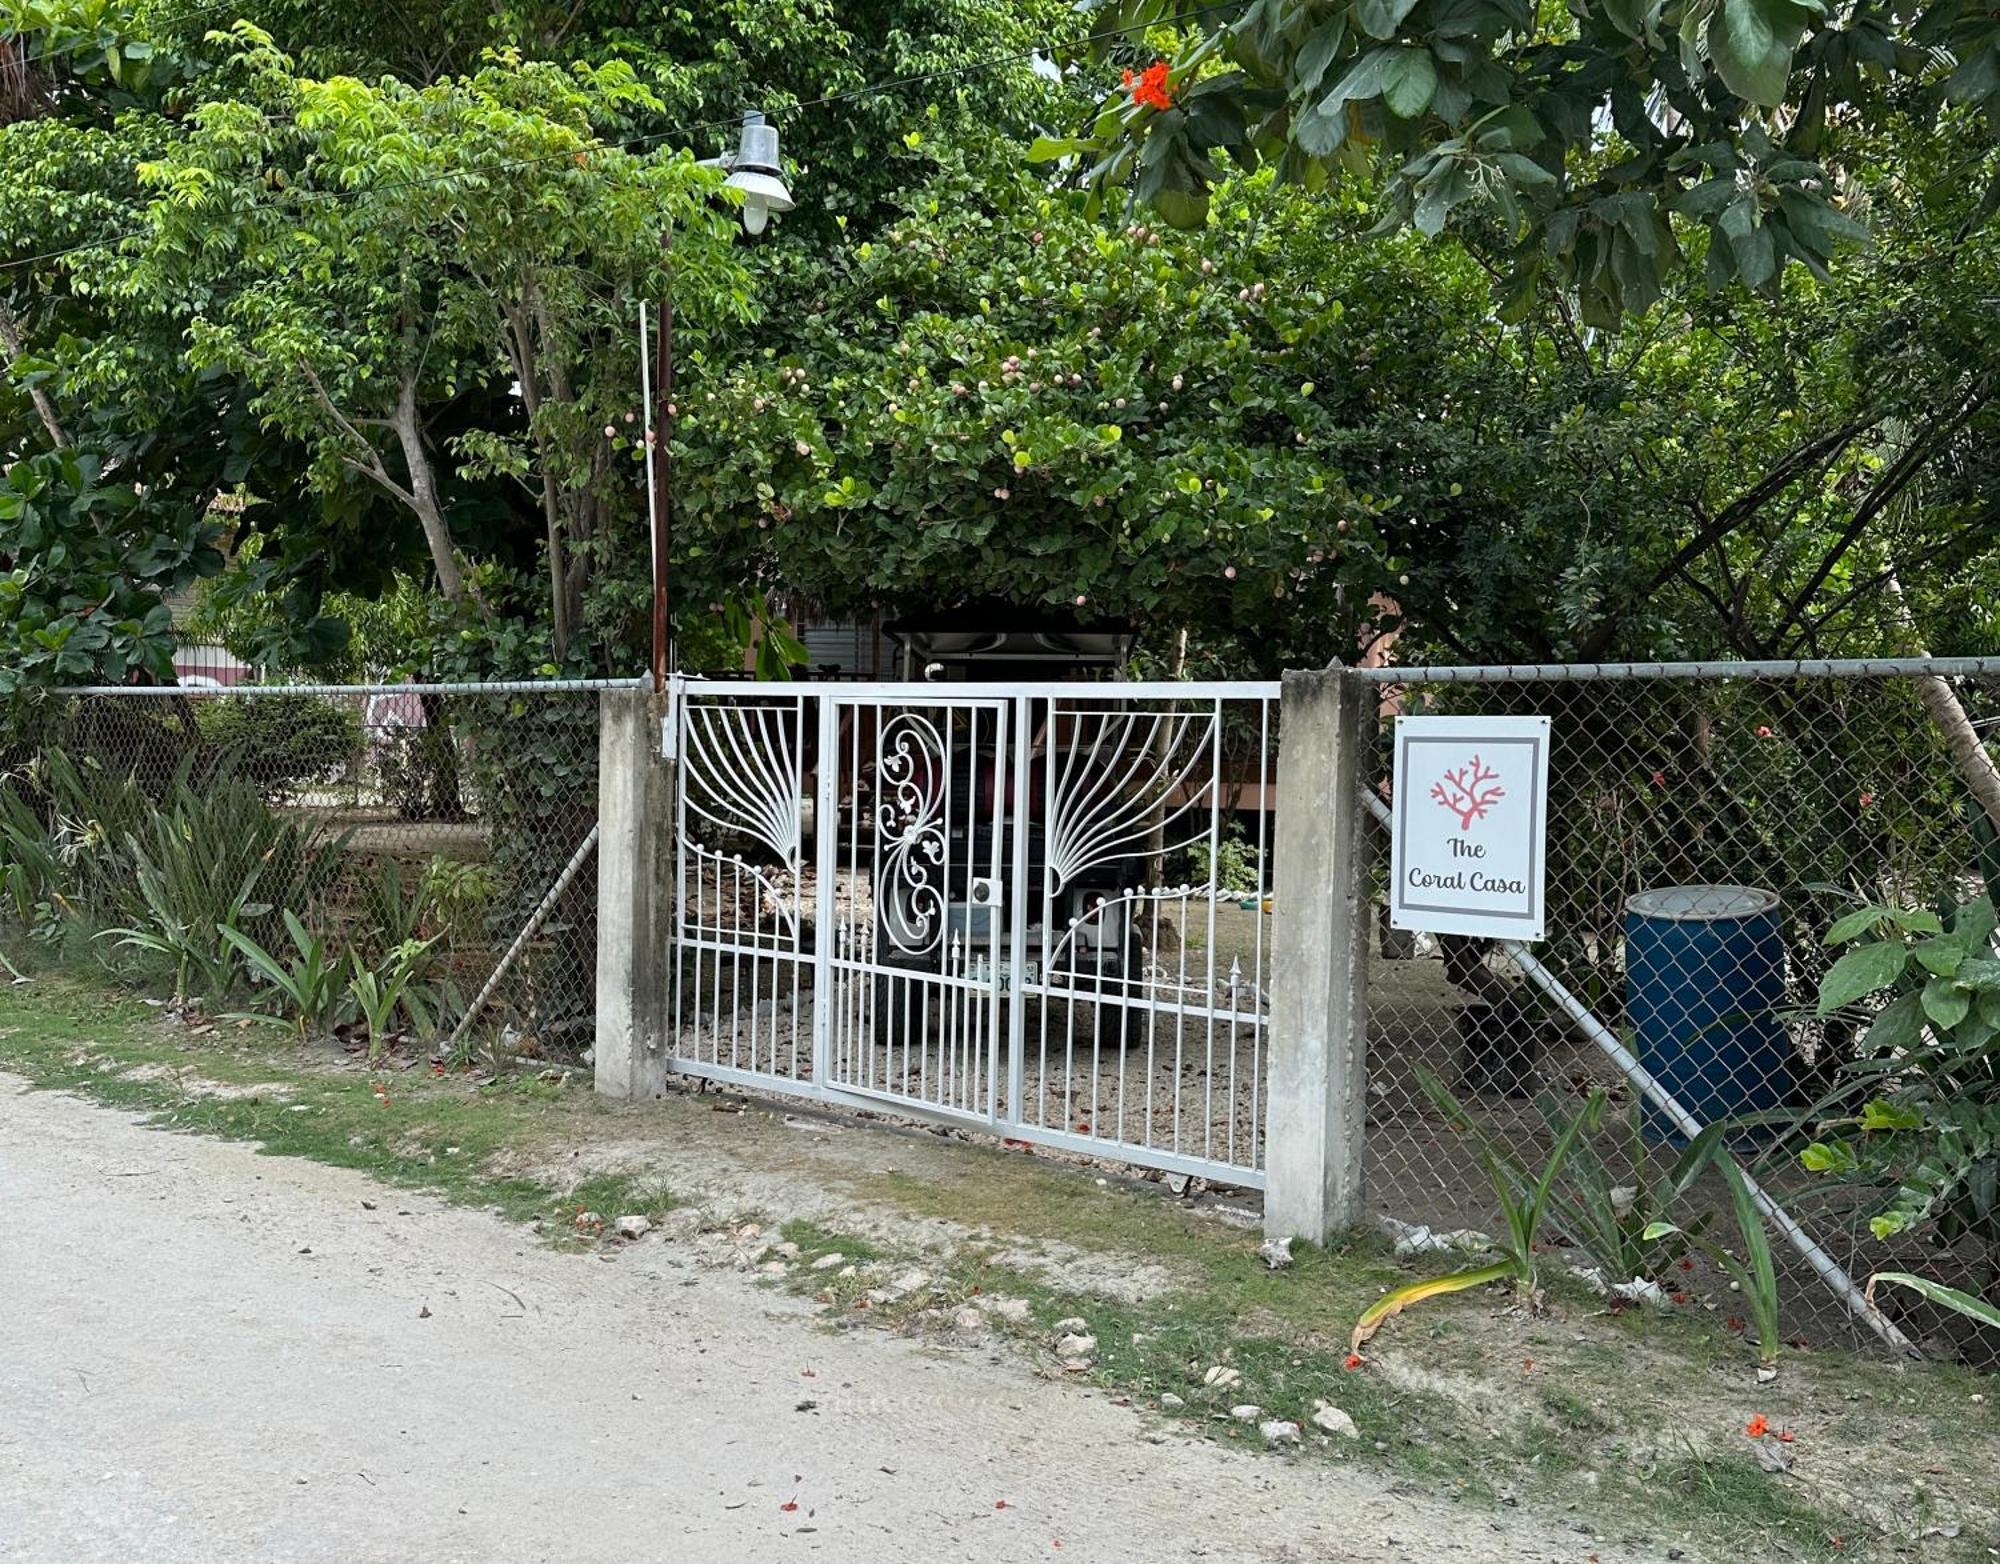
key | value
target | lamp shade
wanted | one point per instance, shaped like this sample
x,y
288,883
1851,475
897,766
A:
x,y
756,172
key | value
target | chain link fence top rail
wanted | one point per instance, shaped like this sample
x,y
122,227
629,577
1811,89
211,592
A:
x,y
414,831
1707,825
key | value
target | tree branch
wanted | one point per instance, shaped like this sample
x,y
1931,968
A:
x,y
10,338
1796,462
1892,483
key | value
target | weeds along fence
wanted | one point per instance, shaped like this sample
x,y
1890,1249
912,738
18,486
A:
x,y
383,848
1708,826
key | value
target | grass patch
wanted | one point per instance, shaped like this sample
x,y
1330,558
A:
x,y
405,1128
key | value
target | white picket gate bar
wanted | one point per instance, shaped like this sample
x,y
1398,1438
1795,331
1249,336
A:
x,y
1035,909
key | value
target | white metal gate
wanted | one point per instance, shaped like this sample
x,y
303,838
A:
x,y
1041,910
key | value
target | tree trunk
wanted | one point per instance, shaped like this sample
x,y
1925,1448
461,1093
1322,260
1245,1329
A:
x,y
423,490
10,338
1971,758
527,370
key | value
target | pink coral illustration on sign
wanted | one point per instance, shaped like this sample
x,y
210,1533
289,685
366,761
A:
x,y
1469,792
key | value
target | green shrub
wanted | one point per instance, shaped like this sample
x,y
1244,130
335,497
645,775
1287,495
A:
x,y
279,743
216,859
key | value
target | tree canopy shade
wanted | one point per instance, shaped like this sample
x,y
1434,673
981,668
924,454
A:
x,y
1597,140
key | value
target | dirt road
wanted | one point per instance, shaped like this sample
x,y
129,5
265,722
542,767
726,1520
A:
x,y
210,1355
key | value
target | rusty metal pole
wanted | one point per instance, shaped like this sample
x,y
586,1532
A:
x,y
662,460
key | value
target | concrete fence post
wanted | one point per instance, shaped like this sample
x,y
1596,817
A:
x,y
1317,1095
634,868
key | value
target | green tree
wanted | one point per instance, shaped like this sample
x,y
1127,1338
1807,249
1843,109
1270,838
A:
x,y
1589,139
372,252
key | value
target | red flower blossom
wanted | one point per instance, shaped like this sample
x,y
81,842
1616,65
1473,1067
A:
x,y
1763,733
1867,799
1687,1265
1659,779
1150,89
1757,1427
1353,1362
1786,1436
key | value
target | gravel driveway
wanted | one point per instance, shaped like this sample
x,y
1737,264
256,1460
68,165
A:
x,y
210,1355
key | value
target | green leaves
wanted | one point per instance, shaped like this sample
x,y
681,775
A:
x,y
1945,1002
1381,18
84,601
1751,44
1928,1132
1965,1303
1414,86
1862,971
1409,81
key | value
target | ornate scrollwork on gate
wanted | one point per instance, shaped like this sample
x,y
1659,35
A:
x,y
910,832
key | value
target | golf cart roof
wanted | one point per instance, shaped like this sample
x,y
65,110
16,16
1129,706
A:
x,y
1003,634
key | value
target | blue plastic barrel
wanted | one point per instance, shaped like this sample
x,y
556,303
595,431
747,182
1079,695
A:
x,y
1704,991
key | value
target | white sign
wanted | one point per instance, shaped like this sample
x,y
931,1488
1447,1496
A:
x,y
1470,840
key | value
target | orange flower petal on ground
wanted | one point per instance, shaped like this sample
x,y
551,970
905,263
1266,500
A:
x,y
1757,1427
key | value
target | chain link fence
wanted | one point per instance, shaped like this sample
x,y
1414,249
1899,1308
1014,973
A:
x,y
404,868
1706,830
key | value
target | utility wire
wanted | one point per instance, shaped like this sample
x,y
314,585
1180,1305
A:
x,y
852,94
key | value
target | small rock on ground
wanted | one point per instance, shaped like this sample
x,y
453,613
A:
x,y
634,1226
909,1282
1246,1413
1222,1377
1276,1253
1013,1310
1074,1346
1279,1432
1075,1325
1332,1420
1171,1402
969,1322
828,1262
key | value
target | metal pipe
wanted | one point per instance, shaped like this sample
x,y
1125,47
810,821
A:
x,y
1635,1072
1074,697
660,460
242,691
528,931
1585,673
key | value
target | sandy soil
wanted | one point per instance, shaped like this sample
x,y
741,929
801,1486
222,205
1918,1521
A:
x,y
215,1356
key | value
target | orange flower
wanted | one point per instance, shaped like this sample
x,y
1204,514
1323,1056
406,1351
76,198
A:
x,y
1757,1427
1150,90
1353,1362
